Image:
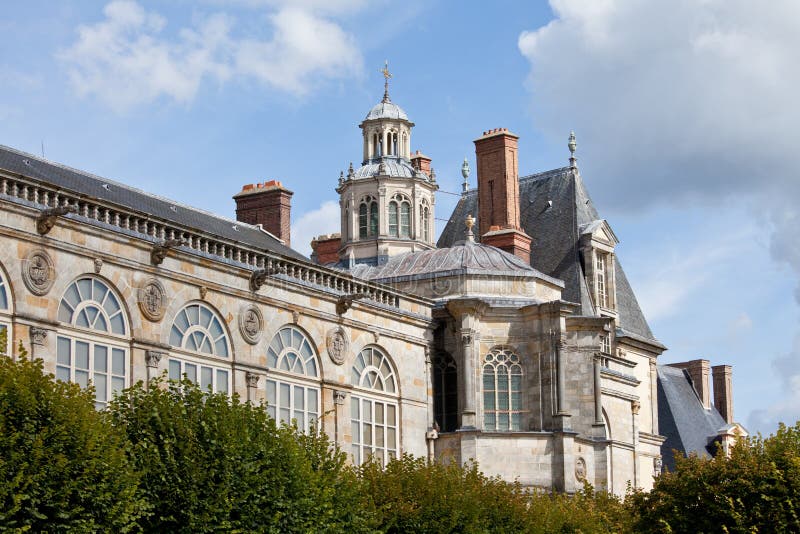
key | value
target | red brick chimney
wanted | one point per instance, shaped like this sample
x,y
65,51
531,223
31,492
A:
x,y
268,204
723,391
326,249
498,193
421,162
699,372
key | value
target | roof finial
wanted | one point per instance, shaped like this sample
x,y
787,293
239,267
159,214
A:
x,y
470,222
573,161
386,75
465,174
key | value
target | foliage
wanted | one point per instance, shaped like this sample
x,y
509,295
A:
x,y
413,495
63,466
757,489
210,462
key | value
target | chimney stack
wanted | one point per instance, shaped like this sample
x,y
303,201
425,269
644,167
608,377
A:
x,y
498,193
699,372
268,204
421,162
326,249
723,391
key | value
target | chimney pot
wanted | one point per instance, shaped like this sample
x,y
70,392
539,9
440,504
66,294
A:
x,y
268,204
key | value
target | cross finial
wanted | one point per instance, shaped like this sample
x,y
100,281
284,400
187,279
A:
x,y
386,75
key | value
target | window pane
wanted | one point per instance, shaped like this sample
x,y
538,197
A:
x,y
271,393
83,319
391,418
62,373
206,317
81,355
367,437
174,370
85,289
366,411
117,384
118,324
502,421
190,371
502,401
63,350
82,378
182,321
356,430
222,381
379,412
285,418
299,398
355,403
515,421
301,420
488,401
118,361
391,437
100,386
193,314
100,359
285,392
206,377
215,328
175,337
379,436
489,421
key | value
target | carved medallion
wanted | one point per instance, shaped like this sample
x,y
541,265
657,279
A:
x,y
580,469
251,324
337,344
38,272
152,299
441,286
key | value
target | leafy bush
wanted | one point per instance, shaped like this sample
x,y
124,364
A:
x,y
757,489
63,466
209,463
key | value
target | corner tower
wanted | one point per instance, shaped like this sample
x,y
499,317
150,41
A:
x,y
387,204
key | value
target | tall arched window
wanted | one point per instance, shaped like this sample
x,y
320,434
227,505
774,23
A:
x,y
424,221
293,386
362,220
91,343
393,218
5,314
373,218
445,392
198,333
405,219
374,413
502,390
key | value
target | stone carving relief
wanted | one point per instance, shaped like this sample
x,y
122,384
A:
x,y
98,264
337,344
251,324
580,469
152,299
441,287
153,358
38,335
251,379
38,272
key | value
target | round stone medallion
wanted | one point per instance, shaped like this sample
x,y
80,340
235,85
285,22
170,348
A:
x,y
337,344
251,324
38,272
152,299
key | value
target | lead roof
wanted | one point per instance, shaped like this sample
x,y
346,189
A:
x,y
82,183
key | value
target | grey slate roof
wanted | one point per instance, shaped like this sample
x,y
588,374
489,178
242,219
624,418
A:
x,y
462,258
555,231
682,419
394,166
83,183
386,110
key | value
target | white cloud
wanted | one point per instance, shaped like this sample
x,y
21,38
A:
x,y
323,220
129,59
687,100
787,409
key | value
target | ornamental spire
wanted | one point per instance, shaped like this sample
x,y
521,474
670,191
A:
x,y
572,145
386,75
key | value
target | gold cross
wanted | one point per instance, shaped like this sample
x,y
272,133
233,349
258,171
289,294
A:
x,y
385,70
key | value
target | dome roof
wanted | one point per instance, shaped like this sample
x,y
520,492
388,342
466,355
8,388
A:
x,y
467,257
392,166
386,109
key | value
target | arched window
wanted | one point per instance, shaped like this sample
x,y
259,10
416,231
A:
x,y
405,219
373,218
362,220
374,414
393,218
293,390
91,342
502,390
5,314
198,333
445,392
424,221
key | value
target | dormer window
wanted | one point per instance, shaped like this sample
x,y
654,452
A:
x,y
600,279
597,247
605,344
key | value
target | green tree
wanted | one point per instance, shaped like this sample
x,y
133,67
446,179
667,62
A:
x,y
757,489
63,466
209,463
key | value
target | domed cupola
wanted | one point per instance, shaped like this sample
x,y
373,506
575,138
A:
x,y
387,202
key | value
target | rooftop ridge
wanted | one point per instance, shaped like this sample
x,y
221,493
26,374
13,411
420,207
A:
x,y
115,183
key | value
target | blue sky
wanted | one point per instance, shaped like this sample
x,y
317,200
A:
x,y
685,114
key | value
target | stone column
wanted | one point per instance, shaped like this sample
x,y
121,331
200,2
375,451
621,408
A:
x,y
635,407
38,340
468,412
251,379
338,405
153,360
654,396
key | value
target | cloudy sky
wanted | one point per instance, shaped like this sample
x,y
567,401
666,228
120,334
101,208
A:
x,y
685,112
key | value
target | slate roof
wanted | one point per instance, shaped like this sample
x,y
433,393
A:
x,y
394,166
555,231
682,418
463,258
386,110
83,183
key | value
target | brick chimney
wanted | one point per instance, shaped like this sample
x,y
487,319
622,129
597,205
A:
x,y
326,249
498,193
421,162
723,391
268,204
699,372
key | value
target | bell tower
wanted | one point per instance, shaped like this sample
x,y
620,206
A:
x,y
387,203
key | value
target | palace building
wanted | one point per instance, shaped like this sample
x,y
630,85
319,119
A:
x,y
514,340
